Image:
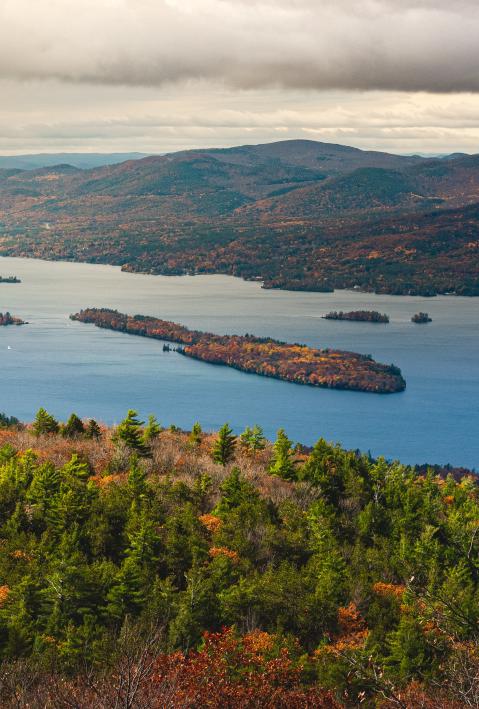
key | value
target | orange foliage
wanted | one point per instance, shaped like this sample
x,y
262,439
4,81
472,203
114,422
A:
x,y
211,522
258,642
105,480
19,554
349,618
389,589
4,593
223,551
353,632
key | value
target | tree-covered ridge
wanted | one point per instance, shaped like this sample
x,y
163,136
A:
x,y
300,215
321,577
300,364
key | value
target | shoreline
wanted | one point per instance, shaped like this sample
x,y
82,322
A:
x,y
256,281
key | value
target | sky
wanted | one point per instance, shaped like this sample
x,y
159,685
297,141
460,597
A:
x,y
162,75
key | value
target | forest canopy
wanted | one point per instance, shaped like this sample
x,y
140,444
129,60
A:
x,y
222,570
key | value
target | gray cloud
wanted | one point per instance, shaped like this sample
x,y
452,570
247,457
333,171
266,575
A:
x,y
411,45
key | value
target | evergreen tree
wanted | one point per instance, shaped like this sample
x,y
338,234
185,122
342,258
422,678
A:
x,y
327,467
224,447
235,490
127,593
44,423
45,486
76,468
196,434
143,542
93,430
253,438
282,462
130,434
137,479
152,430
73,428
8,421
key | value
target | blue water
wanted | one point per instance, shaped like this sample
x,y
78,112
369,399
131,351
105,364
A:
x,y
67,366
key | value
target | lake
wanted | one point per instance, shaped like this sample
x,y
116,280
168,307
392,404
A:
x,y
67,366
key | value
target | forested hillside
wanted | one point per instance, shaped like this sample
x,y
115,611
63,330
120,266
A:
x,y
295,214
144,567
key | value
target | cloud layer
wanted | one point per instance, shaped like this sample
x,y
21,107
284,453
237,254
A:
x,y
406,45
52,117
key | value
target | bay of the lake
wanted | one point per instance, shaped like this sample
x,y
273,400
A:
x,y
67,366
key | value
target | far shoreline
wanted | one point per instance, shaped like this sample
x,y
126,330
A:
x,y
253,281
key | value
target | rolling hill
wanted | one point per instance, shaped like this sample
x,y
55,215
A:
x,y
295,214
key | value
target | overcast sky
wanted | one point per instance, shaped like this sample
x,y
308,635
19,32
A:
x,y
161,75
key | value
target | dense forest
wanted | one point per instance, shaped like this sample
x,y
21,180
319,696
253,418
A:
x,y
299,215
334,369
151,567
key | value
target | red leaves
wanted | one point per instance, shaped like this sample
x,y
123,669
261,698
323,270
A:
x,y
238,672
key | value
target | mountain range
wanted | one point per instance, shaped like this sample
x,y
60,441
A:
x,y
84,161
294,214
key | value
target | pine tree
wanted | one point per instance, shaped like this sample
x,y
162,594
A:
x,y
73,428
76,468
93,430
326,468
253,438
144,543
44,423
130,434
8,421
152,430
196,434
235,490
137,479
127,594
282,462
45,485
224,447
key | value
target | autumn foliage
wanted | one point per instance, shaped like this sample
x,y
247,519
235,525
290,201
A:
x,y
174,580
292,362
232,672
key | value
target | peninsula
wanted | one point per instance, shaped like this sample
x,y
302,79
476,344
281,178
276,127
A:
x,y
358,316
296,363
7,319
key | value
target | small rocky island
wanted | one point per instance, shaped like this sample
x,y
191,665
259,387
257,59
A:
x,y
7,319
9,279
420,318
335,369
358,316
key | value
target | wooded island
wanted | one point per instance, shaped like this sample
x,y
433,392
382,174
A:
x,y
296,363
358,316
421,318
7,319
